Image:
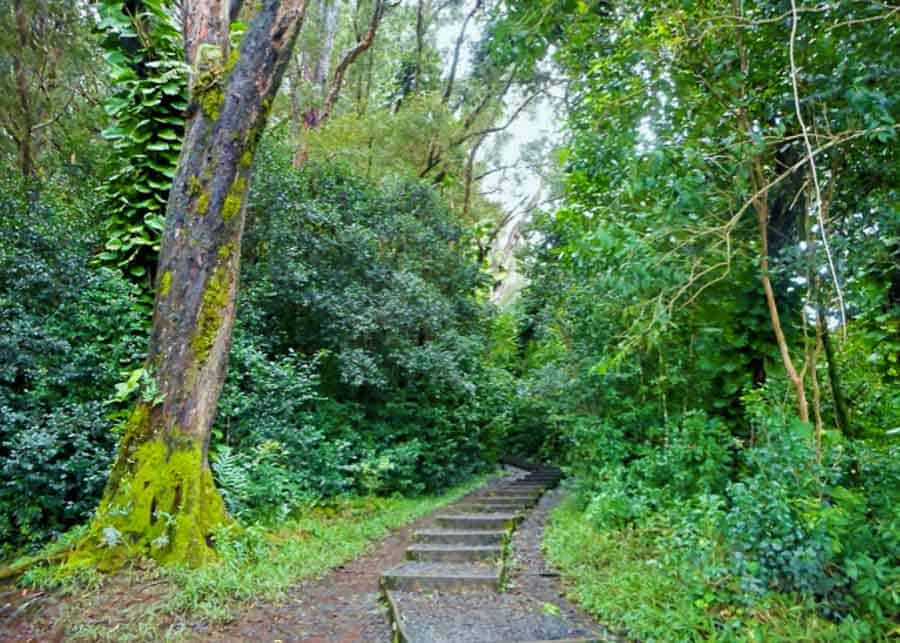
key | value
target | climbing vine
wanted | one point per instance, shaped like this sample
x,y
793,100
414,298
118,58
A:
x,y
147,111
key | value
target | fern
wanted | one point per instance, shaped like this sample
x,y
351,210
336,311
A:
x,y
232,477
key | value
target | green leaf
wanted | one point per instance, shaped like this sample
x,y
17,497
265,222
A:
x,y
168,135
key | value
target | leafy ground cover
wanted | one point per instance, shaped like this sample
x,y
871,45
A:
x,y
635,579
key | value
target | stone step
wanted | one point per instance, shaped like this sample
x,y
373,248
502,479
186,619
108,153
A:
x,y
480,507
524,498
489,521
502,504
526,489
448,577
512,491
479,618
454,553
460,537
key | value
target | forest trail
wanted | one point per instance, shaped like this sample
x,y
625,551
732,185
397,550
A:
x,y
479,578
346,604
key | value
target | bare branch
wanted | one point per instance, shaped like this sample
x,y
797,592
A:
x,y
813,169
499,128
448,90
350,56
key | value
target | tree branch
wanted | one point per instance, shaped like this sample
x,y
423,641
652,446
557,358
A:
x,y
350,56
812,166
448,90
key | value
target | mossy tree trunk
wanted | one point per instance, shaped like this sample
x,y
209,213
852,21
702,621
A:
x,y
160,500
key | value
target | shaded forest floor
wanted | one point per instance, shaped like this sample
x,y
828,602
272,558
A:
x,y
342,605
325,556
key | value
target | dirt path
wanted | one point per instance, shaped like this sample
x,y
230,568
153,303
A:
x,y
343,606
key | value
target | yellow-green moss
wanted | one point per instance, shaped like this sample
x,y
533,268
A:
x,y
164,506
211,101
247,158
215,299
232,205
202,204
165,283
195,185
226,250
233,58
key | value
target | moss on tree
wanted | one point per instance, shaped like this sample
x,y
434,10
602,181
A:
x,y
161,502
165,283
202,204
211,100
215,300
232,206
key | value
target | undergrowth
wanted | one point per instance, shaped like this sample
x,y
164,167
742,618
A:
x,y
634,579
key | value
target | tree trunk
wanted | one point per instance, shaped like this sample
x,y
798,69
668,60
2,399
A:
x,y
315,118
329,31
841,411
762,216
26,153
160,500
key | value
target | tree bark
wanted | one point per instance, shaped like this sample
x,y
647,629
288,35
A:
x,y
763,216
841,410
26,154
760,204
316,118
349,57
160,500
457,48
329,31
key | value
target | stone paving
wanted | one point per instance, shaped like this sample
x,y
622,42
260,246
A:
x,y
451,589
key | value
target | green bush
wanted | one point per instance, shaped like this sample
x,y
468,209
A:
x,y
359,343
66,333
754,536
356,366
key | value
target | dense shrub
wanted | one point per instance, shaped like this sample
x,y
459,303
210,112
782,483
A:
x,y
357,363
66,333
777,522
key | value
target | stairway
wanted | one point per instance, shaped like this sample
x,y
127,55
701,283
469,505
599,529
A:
x,y
449,590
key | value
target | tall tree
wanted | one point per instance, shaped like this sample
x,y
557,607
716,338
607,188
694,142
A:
x,y
160,499
46,78
331,89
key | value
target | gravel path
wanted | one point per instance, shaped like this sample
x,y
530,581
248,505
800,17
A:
x,y
532,576
343,606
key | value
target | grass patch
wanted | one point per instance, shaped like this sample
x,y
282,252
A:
x,y
257,562
632,581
